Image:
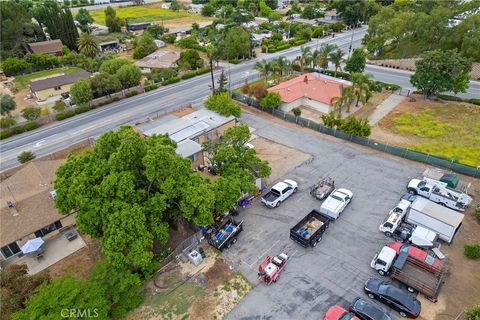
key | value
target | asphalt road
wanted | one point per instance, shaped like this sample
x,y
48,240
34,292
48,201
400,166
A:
x,y
58,135
335,270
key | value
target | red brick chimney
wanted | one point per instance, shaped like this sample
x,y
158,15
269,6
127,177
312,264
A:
x,y
305,79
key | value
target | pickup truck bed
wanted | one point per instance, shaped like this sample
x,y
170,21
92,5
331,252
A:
x,y
308,232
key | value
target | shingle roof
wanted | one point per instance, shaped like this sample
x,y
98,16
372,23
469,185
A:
x,y
159,60
311,85
53,82
29,191
51,46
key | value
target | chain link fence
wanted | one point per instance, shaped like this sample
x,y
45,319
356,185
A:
x,y
394,150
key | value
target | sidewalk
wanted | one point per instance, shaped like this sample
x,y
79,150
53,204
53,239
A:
x,y
384,108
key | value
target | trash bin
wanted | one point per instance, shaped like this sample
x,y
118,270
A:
x,y
195,258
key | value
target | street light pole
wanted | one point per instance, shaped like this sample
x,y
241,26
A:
x,y
351,41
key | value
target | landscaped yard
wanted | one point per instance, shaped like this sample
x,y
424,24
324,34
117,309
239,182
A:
x,y
146,13
446,129
22,81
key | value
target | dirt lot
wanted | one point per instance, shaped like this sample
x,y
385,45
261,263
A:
x,y
183,291
282,159
443,128
81,263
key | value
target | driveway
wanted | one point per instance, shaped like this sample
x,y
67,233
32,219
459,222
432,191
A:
x,y
334,271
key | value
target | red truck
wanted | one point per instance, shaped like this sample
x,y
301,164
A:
x,y
270,269
417,253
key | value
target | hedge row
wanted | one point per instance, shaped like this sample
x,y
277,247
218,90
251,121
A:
x,y
455,98
282,45
170,81
150,87
4,134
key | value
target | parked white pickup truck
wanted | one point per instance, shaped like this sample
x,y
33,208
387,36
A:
x,y
279,193
336,202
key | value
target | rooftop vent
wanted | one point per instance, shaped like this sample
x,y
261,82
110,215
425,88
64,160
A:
x,y
305,79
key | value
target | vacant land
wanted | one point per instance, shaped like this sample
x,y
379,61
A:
x,y
441,128
182,291
146,13
22,82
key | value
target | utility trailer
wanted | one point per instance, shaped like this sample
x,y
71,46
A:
x,y
309,231
223,236
323,188
417,276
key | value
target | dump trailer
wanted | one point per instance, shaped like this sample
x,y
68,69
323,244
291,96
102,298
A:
x,y
417,276
223,236
309,231
443,221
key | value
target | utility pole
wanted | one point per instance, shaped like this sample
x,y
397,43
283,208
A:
x,y
351,41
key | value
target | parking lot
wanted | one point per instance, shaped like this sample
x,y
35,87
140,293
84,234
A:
x,y
334,271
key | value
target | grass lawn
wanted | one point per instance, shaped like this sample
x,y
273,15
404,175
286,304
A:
x,y
146,13
23,81
446,129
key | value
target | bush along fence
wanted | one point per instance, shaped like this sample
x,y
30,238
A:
x,y
394,150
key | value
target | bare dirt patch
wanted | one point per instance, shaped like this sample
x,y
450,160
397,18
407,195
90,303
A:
x,y
281,158
81,263
217,274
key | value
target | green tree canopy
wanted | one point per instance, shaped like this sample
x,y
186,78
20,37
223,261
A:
x,y
17,287
356,63
236,44
156,30
129,76
127,192
84,19
144,46
112,66
7,104
113,22
190,59
223,104
63,295
87,45
105,84
272,100
81,91
439,71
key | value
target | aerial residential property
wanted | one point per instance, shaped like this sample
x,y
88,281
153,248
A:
x,y
241,159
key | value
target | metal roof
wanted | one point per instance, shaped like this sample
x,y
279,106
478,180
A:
x,y
437,211
187,148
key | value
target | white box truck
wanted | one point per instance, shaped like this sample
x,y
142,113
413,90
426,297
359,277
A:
x,y
443,221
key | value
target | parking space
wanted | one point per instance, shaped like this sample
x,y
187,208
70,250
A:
x,y
334,271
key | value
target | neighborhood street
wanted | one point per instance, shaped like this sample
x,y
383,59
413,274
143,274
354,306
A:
x,y
165,99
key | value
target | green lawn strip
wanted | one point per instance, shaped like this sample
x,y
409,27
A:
x,y
24,80
445,131
145,13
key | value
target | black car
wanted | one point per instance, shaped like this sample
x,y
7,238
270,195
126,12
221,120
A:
x,y
367,310
396,298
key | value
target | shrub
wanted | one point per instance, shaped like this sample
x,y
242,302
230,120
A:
x,y
169,38
171,80
473,313
475,101
30,126
70,113
60,116
258,91
297,111
234,61
332,119
82,109
477,214
4,134
272,100
25,156
449,98
7,122
151,87
132,93
338,74
31,113
188,75
18,130
202,71
45,111
163,75
59,106
472,251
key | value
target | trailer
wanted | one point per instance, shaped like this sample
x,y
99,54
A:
x,y
412,272
223,236
270,269
323,188
443,221
309,231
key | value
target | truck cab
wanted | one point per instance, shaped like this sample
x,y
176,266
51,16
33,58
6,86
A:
x,y
383,261
395,218
420,187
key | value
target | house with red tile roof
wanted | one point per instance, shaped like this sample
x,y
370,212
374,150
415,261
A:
x,y
312,90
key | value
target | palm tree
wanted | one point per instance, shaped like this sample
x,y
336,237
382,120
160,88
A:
x,y
275,67
336,57
361,86
284,65
305,57
87,45
348,95
324,55
264,67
